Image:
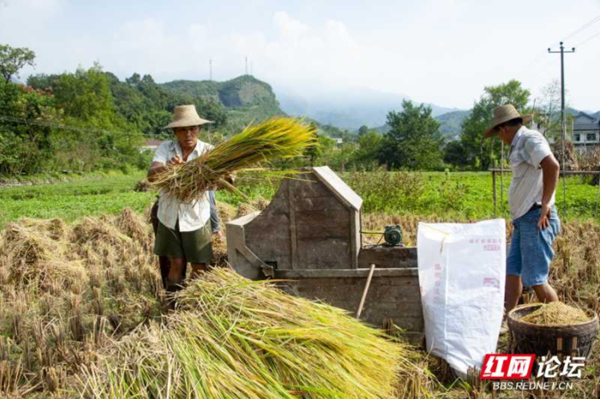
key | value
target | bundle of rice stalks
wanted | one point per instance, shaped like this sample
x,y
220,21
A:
x,y
556,314
133,226
237,338
33,258
278,138
56,229
245,209
94,230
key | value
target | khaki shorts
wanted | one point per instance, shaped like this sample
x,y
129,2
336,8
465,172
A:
x,y
194,246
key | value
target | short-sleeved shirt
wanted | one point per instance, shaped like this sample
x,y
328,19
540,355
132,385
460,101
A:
x,y
170,210
528,149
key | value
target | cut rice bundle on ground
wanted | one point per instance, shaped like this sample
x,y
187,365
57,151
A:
x,y
133,226
34,259
93,230
278,138
64,291
233,337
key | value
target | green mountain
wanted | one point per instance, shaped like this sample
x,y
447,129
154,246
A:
x,y
451,123
245,98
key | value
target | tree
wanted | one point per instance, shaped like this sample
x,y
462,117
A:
x,y
413,141
363,130
455,154
547,111
104,136
482,153
12,59
324,146
25,147
369,146
85,96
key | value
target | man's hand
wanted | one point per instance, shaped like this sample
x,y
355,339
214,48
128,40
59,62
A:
x,y
544,221
174,161
218,235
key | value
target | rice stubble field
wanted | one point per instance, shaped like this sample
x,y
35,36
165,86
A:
x,y
62,306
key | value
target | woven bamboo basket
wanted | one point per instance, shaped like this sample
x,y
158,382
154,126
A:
x,y
567,340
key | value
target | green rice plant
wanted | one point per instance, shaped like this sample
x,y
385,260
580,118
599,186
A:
x,y
232,337
277,138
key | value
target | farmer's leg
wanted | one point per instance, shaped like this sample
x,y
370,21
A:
x,y
514,289
538,254
514,285
172,260
164,264
175,276
197,248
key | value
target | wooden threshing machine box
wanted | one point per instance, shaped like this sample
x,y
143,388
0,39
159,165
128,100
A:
x,y
310,234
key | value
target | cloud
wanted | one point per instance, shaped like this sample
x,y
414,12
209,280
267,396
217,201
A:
x,y
38,15
295,52
440,52
288,26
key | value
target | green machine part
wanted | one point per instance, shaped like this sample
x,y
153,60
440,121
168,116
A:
x,y
393,235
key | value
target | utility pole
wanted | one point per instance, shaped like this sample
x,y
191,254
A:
x,y
246,65
563,115
210,69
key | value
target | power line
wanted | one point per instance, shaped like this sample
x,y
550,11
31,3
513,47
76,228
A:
x,y
587,40
539,59
583,27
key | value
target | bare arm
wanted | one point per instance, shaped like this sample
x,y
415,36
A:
x,y
550,171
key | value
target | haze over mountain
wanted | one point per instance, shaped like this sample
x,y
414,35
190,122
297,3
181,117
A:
x,y
347,109
247,99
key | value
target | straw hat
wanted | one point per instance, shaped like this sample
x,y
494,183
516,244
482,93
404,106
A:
x,y
503,114
186,115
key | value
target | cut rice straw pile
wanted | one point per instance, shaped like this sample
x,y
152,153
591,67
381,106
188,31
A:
x,y
278,138
236,338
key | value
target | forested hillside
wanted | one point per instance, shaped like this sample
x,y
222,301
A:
x,y
244,98
90,119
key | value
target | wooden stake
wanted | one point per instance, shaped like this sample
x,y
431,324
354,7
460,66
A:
x,y
364,295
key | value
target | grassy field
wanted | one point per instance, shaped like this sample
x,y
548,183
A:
x,y
72,200
455,196
69,302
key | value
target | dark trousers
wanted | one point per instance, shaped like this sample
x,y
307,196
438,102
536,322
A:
x,y
163,261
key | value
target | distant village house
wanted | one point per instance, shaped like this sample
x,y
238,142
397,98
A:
x,y
586,132
151,145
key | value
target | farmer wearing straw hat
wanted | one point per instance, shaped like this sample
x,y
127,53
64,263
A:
x,y
184,230
531,198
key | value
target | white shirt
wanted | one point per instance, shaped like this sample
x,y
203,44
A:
x,y
528,149
191,216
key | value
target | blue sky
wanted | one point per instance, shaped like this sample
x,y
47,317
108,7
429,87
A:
x,y
443,52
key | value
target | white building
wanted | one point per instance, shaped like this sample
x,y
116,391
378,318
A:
x,y
151,145
586,132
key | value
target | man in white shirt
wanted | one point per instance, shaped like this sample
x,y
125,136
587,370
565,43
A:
x,y
184,230
531,198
